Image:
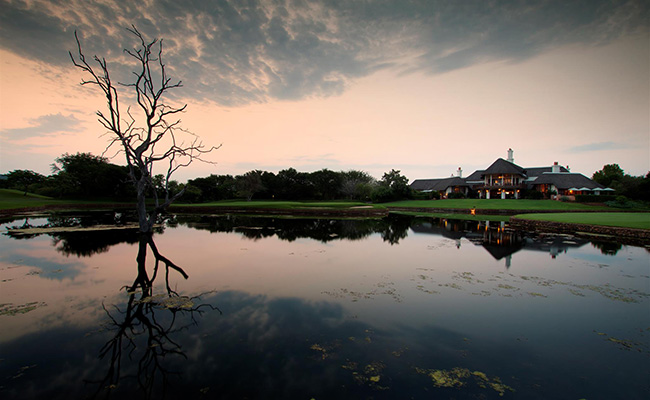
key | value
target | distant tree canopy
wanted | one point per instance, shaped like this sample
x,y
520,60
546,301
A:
x,y
80,175
609,173
357,185
85,176
249,184
22,179
215,187
633,187
392,186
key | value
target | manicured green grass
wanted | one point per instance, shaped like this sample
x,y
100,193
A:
x,y
10,198
280,204
625,220
495,204
14,199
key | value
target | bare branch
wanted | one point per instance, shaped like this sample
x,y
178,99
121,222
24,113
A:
x,y
142,144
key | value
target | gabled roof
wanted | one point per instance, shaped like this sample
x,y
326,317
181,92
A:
x,y
437,184
501,251
501,166
475,176
567,180
536,171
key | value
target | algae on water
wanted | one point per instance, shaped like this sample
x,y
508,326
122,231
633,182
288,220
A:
x,y
11,309
458,377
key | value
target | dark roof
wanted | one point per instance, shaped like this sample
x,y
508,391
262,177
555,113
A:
x,y
501,251
567,180
437,184
537,171
476,175
501,166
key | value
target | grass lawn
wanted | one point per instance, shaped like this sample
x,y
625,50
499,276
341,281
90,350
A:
x,y
10,198
626,220
495,204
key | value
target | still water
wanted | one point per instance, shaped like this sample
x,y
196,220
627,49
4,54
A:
x,y
397,308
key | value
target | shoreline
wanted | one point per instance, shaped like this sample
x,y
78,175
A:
x,y
635,236
496,211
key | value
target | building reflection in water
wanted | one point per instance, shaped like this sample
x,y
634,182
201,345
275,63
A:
x,y
497,238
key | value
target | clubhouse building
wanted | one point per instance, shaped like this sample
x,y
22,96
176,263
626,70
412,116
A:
x,y
504,179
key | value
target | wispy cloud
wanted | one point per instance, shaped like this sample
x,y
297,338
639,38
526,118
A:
x,y
44,125
600,146
233,52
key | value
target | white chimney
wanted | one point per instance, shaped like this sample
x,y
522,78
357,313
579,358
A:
x,y
556,168
459,173
510,157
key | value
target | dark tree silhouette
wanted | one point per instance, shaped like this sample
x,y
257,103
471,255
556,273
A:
x,y
142,321
161,140
22,179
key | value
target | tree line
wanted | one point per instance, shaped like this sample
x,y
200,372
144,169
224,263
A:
x,y
86,176
632,187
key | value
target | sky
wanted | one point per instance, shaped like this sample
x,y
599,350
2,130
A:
x,y
424,87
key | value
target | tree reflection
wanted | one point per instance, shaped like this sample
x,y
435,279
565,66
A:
x,y
395,228
392,228
142,332
86,244
607,248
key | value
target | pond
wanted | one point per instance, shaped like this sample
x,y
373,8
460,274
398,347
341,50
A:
x,y
397,308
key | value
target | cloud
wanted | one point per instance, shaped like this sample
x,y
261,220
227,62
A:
x,y
44,125
235,53
600,146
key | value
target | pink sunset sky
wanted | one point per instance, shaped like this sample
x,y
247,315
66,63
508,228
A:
x,y
423,87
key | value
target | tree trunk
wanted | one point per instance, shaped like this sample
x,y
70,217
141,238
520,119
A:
x,y
146,224
142,280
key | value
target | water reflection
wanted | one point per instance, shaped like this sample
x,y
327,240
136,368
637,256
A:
x,y
73,239
496,237
392,228
609,248
404,307
141,331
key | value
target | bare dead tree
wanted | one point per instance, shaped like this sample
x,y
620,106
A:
x,y
159,139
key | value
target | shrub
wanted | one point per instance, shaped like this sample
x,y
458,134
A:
x,y
421,195
532,195
192,194
591,198
456,195
381,194
624,202
49,191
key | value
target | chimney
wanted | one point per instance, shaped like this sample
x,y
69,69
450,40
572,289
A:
x,y
556,168
459,173
510,157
